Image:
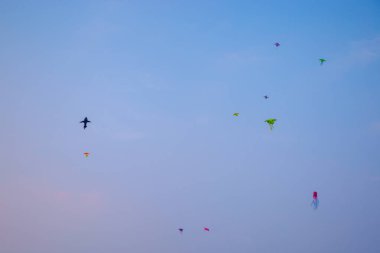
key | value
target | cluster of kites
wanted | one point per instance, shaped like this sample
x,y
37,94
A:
x,y
270,122
204,229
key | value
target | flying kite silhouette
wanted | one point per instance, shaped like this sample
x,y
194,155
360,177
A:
x,y
85,121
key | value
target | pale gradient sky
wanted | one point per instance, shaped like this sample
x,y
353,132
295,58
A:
x,y
160,81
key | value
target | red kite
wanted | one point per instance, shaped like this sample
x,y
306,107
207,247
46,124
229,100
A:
x,y
315,202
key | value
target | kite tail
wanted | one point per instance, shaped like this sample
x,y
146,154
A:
x,y
315,203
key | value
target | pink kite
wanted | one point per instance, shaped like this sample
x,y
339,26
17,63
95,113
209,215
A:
x,y
315,202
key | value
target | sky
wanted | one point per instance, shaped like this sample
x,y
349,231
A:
x,y
159,81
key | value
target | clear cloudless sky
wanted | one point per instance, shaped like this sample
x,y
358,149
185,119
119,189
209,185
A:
x,y
159,81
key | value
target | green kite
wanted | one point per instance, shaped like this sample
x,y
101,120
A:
x,y
322,60
236,114
271,123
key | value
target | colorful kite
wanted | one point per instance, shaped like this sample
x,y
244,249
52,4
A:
x,y
236,114
277,44
86,154
322,60
271,123
85,121
206,229
315,202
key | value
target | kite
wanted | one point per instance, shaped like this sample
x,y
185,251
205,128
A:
x,y
236,114
322,60
85,121
315,202
86,154
180,230
206,229
270,123
266,97
277,44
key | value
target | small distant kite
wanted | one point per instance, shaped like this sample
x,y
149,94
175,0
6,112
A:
x,y
85,121
277,44
236,114
180,230
266,97
271,122
315,202
86,154
322,61
206,229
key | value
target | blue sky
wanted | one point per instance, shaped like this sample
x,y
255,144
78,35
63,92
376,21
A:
x,y
160,81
